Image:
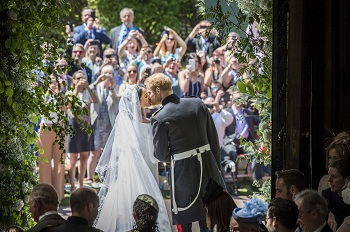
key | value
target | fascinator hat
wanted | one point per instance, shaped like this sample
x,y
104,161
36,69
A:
x,y
212,191
149,200
253,211
342,138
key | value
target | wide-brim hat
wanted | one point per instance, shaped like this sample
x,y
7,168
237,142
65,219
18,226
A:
x,y
247,219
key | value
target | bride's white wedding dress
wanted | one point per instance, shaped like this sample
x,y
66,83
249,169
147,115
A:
x,y
124,172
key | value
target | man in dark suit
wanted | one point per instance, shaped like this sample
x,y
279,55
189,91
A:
x,y
243,127
84,203
184,134
120,33
78,53
312,211
43,204
281,216
203,42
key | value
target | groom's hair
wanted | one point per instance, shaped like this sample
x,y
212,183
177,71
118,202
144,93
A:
x,y
159,80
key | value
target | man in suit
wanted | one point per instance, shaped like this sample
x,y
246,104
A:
x,y
84,203
43,204
78,54
289,183
120,33
312,211
85,15
184,134
243,127
207,43
281,216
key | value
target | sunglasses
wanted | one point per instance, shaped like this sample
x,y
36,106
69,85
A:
x,y
132,71
209,106
170,39
203,27
109,56
215,88
79,52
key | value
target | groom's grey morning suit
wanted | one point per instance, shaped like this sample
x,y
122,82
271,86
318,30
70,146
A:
x,y
185,134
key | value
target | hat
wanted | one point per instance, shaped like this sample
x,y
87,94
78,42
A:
x,y
212,191
253,211
149,200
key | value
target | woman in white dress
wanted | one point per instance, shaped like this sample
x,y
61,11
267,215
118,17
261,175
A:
x,y
122,167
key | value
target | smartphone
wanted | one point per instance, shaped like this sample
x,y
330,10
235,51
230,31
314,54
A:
x,y
148,71
71,26
93,14
95,42
192,62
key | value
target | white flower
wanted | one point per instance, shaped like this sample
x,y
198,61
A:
x,y
18,205
346,195
26,199
25,187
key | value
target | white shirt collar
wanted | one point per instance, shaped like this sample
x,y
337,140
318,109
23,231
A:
x,y
47,213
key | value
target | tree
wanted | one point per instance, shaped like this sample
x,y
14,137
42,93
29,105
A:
x,y
255,54
23,47
150,15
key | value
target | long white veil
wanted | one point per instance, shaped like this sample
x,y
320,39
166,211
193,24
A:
x,y
124,172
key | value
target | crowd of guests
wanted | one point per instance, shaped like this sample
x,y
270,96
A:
x,y
101,68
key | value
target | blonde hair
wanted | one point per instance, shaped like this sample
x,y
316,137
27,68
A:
x,y
108,68
158,80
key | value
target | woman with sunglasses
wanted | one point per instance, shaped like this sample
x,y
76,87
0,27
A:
x,y
167,46
130,78
81,143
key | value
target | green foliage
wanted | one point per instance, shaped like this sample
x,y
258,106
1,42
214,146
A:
x,y
150,15
255,56
25,27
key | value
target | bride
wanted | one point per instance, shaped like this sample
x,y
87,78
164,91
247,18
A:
x,y
122,167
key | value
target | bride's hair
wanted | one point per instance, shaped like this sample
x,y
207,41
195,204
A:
x,y
139,90
146,217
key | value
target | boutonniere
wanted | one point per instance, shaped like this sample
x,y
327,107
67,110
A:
x,y
245,114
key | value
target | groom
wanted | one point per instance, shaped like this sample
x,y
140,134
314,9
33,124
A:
x,y
185,135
